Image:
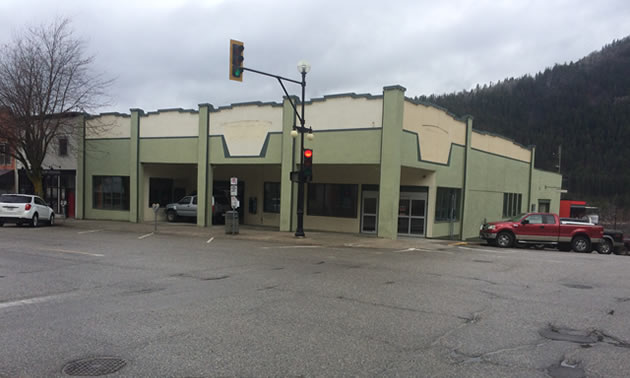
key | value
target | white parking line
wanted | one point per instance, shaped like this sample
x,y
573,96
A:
x,y
293,246
29,301
87,232
210,240
145,236
68,251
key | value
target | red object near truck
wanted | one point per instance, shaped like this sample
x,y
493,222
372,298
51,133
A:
x,y
542,228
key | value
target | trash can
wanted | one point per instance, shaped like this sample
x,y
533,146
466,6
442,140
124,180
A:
x,y
231,222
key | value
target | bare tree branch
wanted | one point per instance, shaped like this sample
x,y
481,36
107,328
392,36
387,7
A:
x,y
46,79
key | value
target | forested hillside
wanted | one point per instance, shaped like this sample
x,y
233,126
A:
x,y
583,106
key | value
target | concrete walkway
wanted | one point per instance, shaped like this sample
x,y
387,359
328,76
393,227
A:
x,y
267,234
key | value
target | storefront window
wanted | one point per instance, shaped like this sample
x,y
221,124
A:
x,y
110,192
333,200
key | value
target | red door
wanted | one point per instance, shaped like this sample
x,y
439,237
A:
x,y
70,196
532,228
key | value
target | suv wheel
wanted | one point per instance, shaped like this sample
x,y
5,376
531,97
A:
x,y
51,221
35,220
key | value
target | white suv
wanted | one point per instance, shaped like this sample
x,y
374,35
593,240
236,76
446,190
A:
x,y
24,208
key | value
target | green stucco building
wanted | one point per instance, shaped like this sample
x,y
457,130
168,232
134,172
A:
x,y
383,164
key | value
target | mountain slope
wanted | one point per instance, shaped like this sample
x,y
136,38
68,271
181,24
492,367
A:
x,y
583,106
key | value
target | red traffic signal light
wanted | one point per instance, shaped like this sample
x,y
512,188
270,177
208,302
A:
x,y
308,165
236,60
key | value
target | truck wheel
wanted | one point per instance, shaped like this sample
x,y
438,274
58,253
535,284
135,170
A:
x,y
581,244
605,247
505,239
171,216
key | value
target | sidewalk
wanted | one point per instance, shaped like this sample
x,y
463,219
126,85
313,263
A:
x,y
266,234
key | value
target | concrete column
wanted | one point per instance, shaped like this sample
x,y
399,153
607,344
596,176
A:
x,y
465,175
135,179
389,185
287,198
204,200
79,195
531,181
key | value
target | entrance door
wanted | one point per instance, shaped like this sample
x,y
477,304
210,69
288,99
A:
x,y
412,208
369,211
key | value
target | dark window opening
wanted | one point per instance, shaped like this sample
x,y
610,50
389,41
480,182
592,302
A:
x,y
161,191
512,204
63,146
271,197
333,200
447,204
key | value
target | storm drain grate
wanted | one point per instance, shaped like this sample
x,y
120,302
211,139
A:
x,y
93,367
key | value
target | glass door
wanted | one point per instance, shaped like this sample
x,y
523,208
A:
x,y
369,211
412,209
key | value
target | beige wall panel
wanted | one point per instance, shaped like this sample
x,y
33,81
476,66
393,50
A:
x,y
500,146
344,113
170,123
108,126
245,128
436,131
350,225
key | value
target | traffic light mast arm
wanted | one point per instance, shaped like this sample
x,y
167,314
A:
x,y
280,78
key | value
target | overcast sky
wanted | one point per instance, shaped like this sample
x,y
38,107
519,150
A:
x,y
169,54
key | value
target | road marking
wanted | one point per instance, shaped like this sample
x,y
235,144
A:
x,y
69,251
23,302
485,250
87,232
293,246
210,240
145,236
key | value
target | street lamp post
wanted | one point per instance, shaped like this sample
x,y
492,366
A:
x,y
303,68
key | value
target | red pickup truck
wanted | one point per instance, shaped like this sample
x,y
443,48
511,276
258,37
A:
x,y
542,228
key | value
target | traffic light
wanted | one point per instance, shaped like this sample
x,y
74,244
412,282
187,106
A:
x,y
308,165
236,60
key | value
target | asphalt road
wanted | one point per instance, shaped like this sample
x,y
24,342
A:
x,y
187,307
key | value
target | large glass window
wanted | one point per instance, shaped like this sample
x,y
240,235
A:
x,y
271,197
447,204
161,191
511,204
333,200
110,192
5,158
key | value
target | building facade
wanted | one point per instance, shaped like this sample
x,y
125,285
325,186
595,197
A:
x,y
383,164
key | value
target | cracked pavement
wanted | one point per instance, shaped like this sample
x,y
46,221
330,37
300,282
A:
x,y
174,305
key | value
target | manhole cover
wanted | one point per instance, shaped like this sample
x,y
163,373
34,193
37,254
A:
x,y
92,367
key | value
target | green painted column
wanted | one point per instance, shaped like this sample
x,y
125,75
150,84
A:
x,y
466,175
134,166
204,201
80,184
531,181
287,198
389,185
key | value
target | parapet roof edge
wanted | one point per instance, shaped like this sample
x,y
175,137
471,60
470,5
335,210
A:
x,y
503,137
438,107
117,114
273,104
169,110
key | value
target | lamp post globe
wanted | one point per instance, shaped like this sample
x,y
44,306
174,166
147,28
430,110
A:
x,y
303,66
294,133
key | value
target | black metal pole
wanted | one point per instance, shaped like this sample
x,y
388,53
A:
x,y
300,209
